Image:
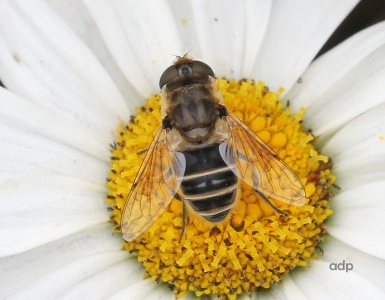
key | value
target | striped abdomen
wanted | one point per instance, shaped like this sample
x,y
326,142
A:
x,y
209,185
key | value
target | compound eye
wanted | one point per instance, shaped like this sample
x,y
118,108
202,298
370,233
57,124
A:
x,y
201,68
189,69
168,75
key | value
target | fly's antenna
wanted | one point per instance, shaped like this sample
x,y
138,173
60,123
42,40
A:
x,y
178,56
185,55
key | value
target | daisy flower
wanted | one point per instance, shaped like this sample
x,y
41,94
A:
x,y
75,72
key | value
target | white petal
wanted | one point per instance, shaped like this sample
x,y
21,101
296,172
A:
x,y
368,267
50,66
161,292
47,258
57,282
137,290
319,282
77,17
19,113
139,35
257,18
32,154
296,31
102,284
45,208
229,35
358,149
358,218
287,290
219,25
360,90
185,24
327,70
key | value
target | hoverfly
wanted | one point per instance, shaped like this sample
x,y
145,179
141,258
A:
x,y
198,155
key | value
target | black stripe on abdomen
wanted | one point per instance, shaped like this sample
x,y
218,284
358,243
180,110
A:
x,y
209,186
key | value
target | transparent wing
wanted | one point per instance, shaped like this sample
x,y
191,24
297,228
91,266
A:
x,y
155,185
255,163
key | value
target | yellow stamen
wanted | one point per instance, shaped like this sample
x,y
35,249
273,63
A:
x,y
256,246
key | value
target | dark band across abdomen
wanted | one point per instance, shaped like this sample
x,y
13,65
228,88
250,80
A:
x,y
209,185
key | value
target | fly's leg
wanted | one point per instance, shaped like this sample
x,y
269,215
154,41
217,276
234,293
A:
x,y
184,215
271,204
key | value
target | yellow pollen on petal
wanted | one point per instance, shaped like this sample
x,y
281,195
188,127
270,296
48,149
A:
x,y
255,246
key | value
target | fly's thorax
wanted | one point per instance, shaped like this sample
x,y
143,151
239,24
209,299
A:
x,y
192,110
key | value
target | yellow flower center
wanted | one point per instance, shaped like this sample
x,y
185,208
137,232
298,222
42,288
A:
x,y
257,246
